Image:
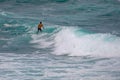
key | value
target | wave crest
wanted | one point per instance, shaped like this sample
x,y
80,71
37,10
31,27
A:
x,y
99,44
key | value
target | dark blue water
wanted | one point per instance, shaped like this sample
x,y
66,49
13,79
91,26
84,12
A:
x,y
80,41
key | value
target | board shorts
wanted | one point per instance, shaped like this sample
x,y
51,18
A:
x,y
39,29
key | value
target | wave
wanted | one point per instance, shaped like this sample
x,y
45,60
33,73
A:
x,y
72,43
64,40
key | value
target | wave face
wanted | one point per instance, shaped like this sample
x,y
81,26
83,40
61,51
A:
x,y
80,41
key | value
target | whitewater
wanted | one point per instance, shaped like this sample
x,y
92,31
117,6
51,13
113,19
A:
x,y
80,40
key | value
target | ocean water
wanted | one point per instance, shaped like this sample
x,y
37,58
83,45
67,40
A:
x,y
80,40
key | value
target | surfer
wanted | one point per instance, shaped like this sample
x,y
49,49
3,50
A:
x,y
40,26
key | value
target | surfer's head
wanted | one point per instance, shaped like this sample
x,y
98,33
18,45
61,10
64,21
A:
x,y
40,22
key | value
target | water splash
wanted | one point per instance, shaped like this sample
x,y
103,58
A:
x,y
99,44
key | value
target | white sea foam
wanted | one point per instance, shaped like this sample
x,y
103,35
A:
x,y
67,42
41,42
10,25
2,38
4,13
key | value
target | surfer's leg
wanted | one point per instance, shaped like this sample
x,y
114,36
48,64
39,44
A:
x,y
40,29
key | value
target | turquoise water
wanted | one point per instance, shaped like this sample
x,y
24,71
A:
x,y
81,40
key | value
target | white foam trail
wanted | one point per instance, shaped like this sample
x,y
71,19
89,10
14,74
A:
x,y
2,38
40,41
4,13
67,42
11,25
